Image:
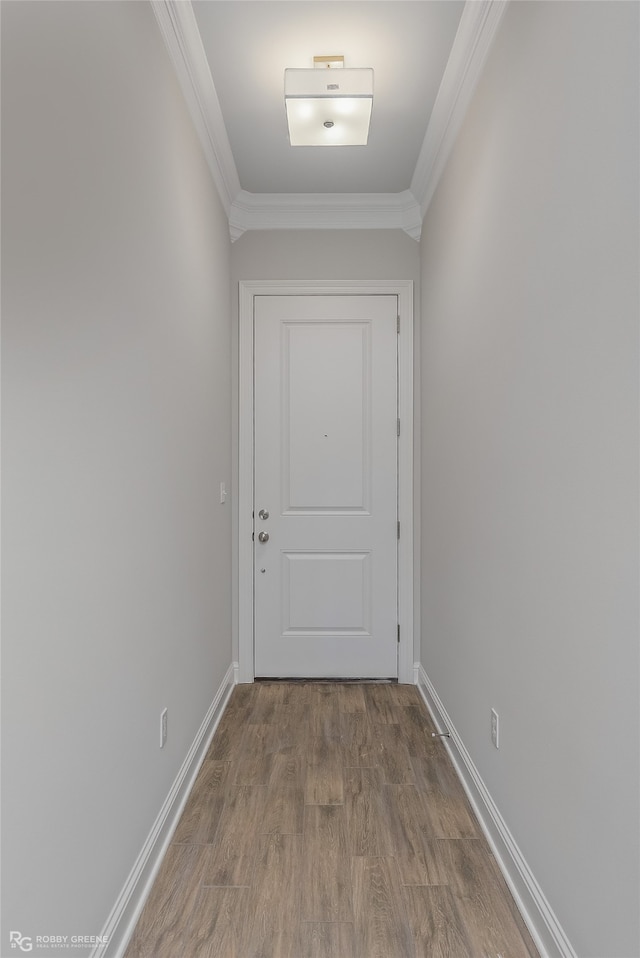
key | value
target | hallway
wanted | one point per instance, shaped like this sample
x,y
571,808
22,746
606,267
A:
x,y
326,822
130,241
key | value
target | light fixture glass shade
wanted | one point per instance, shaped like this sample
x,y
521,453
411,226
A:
x,y
328,107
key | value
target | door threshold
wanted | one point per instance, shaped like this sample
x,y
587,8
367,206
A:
x,y
316,681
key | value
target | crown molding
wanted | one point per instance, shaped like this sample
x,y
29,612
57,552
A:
x,y
179,28
478,26
301,211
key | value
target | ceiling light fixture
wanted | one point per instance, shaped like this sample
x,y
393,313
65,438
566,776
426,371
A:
x,y
326,107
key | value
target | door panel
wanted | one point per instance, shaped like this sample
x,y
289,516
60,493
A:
x,y
326,473
326,592
327,380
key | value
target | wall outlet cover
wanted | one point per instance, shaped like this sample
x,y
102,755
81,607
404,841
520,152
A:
x,y
495,728
163,728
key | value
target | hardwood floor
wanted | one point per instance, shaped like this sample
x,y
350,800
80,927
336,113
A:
x,y
325,822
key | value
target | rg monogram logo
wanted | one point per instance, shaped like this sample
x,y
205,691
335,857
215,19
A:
x,y
19,941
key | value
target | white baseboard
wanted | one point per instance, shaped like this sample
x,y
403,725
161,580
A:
x,y
538,915
126,911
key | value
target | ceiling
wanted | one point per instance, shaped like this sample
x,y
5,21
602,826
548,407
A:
x,y
230,57
249,43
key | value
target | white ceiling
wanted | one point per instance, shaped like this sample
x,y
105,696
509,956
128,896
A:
x,y
230,57
249,43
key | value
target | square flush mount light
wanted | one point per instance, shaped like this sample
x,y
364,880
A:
x,y
328,105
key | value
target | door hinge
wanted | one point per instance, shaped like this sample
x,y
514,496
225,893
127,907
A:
x,y
398,324
398,528
398,427
398,632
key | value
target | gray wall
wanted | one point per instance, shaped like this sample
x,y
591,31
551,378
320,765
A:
x,y
325,254
330,255
530,452
116,435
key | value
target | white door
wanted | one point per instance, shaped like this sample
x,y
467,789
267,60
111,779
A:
x,y
325,507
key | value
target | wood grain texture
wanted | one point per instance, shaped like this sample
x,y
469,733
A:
x,y
351,698
437,927
483,901
392,755
420,861
447,808
380,703
288,769
200,818
274,907
398,694
325,822
291,728
268,698
366,812
324,778
284,810
254,763
242,697
232,854
226,744
416,732
380,920
355,733
333,939
164,923
324,784
218,924
326,876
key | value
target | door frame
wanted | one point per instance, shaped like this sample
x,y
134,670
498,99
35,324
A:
x,y
248,290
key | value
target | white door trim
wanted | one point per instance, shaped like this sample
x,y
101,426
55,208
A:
x,y
248,289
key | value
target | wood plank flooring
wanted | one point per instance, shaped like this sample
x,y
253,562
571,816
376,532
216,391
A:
x,y
325,822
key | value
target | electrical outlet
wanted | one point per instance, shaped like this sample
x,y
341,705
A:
x,y
163,727
495,728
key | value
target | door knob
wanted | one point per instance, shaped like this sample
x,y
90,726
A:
x,y
263,536
263,514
